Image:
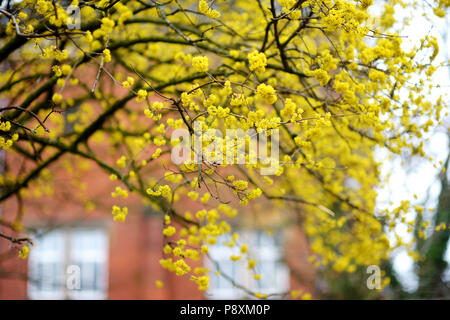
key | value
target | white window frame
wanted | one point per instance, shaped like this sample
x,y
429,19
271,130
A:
x,y
263,253
42,256
66,251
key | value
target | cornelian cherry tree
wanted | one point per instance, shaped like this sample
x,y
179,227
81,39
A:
x,y
329,75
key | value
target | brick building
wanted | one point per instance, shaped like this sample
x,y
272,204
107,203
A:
x,y
121,260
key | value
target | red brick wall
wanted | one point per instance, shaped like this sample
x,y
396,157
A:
x,y
134,254
136,249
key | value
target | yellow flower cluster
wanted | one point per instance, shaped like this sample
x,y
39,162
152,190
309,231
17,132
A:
x,y
440,9
203,282
52,52
23,253
141,95
119,193
257,61
106,28
169,231
119,214
321,76
107,55
200,63
129,82
207,11
43,6
267,93
7,143
122,162
5,126
240,184
57,98
163,191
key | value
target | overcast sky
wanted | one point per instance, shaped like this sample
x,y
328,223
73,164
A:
x,y
418,177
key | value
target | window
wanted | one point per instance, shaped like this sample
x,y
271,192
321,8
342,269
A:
x,y
69,264
266,250
46,267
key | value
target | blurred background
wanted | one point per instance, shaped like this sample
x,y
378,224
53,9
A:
x,y
81,254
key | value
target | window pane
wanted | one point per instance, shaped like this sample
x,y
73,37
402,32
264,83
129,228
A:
x,y
220,287
89,251
79,255
46,267
266,249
